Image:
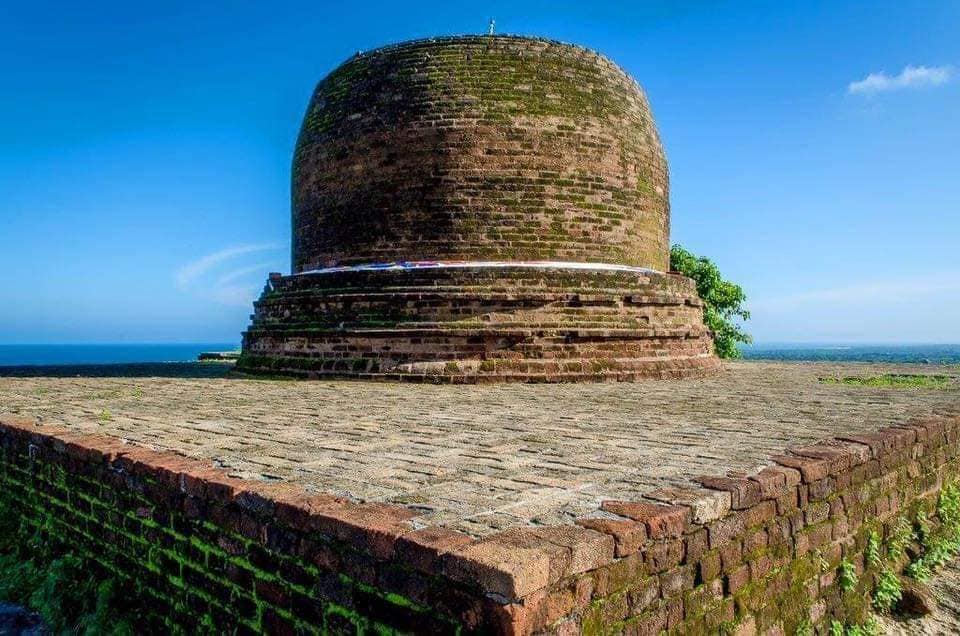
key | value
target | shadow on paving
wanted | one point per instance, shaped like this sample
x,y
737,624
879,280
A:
x,y
945,618
125,370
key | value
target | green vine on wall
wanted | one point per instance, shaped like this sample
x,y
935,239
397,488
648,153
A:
x,y
873,552
887,591
937,546
941,545
870,627
848,576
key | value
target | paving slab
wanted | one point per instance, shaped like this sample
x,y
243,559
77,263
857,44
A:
x,y
478,459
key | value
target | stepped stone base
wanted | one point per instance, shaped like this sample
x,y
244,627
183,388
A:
x,y
480,324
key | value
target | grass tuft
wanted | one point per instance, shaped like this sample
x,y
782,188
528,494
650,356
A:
x,y
894,381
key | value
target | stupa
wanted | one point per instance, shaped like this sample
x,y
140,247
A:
x,y
477,209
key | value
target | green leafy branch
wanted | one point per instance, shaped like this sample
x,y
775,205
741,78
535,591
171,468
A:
x,y
723,301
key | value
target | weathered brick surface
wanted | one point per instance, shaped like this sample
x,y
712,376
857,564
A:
x,y
467,148
255,545
472,149
270,557
628,536
480,325
480,459
245,561
661,521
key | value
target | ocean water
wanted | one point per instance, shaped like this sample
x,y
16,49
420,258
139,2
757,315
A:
x,y
95,354
926,354
85,354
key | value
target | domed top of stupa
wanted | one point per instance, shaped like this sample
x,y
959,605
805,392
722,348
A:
x,y
478,148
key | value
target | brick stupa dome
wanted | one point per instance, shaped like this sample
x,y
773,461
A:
x,y
479,208
479,148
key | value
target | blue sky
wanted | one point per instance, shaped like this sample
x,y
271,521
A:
x,y
145,153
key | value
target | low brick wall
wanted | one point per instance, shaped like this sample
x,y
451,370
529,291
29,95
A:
x,y
742,554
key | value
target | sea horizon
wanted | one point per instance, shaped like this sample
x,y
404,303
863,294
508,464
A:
x,y
49,354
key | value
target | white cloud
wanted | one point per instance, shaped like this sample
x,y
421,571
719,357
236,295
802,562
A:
x,y
909,77
879,292
194,277
195,269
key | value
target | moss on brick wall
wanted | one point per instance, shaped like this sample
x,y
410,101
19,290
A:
x,y
480,325
814,540
71,592
479,147
119,523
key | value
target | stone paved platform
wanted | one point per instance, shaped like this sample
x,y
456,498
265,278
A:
x,y
478,458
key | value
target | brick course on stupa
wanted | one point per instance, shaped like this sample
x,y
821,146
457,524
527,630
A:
x,y
479,208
